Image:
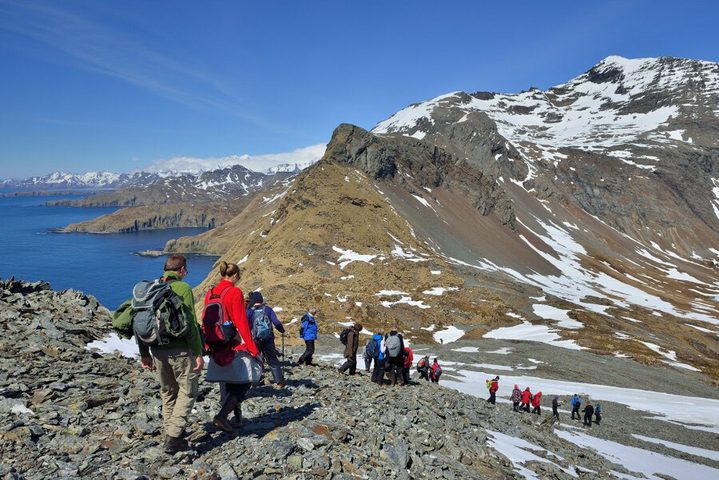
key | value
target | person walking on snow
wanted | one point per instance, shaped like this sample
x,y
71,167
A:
x,y
423,368
257,310
536,402
350,352
435,371
576,405
493,387
598,413
526,398
516,398
308,332
588,412
555,407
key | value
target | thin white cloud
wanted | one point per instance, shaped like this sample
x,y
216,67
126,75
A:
x,y
301,157
103,49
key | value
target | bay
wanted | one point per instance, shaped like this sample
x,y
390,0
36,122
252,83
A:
x,y
103,265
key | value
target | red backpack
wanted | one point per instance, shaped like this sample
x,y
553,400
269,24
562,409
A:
x,y
217,328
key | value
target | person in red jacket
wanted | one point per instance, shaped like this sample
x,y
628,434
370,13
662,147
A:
x,y
408,359
435,371
536,403
233,306
493,387
526,398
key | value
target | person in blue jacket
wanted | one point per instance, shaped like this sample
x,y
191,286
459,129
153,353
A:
x,y
308,332
266,345
379,354
576,405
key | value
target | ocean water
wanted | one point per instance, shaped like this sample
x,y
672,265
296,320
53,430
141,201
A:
x,y
105,266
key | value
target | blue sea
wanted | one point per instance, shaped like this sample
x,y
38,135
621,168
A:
x,y
105,266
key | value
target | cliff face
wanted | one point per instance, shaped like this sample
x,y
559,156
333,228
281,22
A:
x,y
152,217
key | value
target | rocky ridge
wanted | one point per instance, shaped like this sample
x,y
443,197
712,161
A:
x,y
68,412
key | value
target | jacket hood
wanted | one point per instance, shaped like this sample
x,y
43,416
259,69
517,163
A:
x,y
377,336
516,387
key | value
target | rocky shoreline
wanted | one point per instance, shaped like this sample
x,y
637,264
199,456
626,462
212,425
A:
x,y
67,412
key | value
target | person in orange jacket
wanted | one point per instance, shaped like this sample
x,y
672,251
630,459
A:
x,y
233,305
526,398
493,387
536,403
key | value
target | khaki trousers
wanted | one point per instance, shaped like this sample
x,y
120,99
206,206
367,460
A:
x,y
178,387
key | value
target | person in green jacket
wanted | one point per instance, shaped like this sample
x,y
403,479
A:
x,y
178,363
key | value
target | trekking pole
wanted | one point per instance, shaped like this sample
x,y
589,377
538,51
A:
x,y
283,347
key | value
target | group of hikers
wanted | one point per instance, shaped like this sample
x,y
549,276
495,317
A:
x,y
392,359
238,336
522,399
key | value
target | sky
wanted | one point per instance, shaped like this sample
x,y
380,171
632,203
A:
x,y
122,86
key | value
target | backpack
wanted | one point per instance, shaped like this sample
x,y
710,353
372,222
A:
x,y
122,320
438,371
216,329
343,335
158,315
371,349
422,363
261,324
394,346
488,384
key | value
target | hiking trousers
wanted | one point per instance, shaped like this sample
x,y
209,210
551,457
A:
x,y
269,352
405,374
378,372
351,364
555,412
306,357
492,398
576,410
588,420
367,363
178,387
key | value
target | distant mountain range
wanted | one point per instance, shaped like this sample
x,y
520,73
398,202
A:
x,y
203,180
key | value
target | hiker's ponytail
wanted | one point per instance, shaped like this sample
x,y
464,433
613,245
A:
x,y
227,270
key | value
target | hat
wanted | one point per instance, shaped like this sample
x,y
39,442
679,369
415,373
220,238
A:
x,y
255,298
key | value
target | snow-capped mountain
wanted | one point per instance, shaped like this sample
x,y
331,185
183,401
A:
x,y
625,108
60,180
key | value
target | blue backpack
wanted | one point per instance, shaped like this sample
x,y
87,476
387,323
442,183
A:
x,y
261,324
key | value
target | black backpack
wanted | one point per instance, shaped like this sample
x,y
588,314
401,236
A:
x,y
158,313
344,334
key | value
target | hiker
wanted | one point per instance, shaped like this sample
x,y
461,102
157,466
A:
x,y
598,414
555,407
588,412
308,333
576,405
178,363
408,359
423,368
536,403
367,355
515,398
526,398
493,387
351,349
263,321
395,354
226,354
435,371
378,355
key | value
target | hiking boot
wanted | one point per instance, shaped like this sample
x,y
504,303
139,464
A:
x,y
223,424
220,419
175,444
237,419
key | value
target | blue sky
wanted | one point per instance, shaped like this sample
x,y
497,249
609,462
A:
x,y
97,85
